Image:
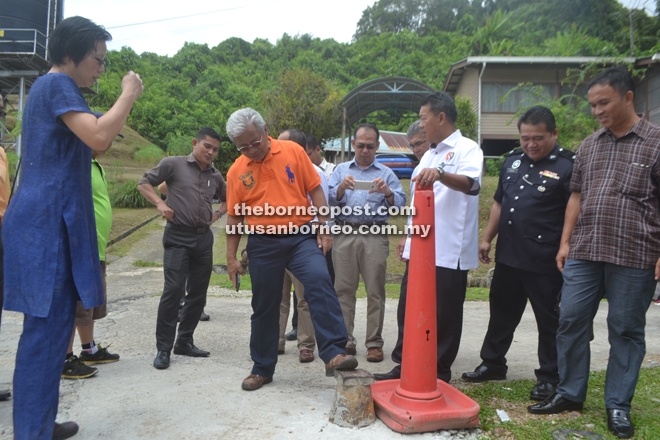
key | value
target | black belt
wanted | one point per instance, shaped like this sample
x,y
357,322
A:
x,y
358,224
187,229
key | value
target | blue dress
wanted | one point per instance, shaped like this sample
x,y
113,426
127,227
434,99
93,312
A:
x,y
53,200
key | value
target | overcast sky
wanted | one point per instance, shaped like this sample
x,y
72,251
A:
x,y
217,20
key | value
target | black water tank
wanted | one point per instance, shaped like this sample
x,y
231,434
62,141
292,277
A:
x,y
39,15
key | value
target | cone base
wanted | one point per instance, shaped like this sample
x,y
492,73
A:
x,y
452,410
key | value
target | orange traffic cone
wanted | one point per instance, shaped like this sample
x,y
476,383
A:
x,y
419,402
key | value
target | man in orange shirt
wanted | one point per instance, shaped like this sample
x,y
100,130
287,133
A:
x,y
268,186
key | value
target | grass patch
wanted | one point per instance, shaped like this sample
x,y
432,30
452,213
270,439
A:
x,y
477,294
124,219
224,282
513,397
142,263
121,249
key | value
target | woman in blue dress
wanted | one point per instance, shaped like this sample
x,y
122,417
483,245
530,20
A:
x,y
49,231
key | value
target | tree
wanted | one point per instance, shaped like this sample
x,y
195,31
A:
x,y
467,120
303,100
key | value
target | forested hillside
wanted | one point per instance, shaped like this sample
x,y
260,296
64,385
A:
x,y
415,38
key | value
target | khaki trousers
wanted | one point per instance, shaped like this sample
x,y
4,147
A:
x,y
306,340
361,254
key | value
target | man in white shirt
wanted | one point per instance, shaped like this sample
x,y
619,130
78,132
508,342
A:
x,y
452,166
314,152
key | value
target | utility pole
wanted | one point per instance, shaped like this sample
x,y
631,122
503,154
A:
x,y
632,37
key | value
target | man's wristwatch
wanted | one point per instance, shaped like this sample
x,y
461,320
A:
x,y
441,170
219,214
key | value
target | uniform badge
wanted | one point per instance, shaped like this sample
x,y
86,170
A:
x,y
516,164
541,188
248,180
549,174
450,156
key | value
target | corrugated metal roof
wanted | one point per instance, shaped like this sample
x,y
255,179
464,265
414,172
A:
x,y
390,142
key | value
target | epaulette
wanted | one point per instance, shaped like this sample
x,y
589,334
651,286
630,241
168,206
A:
x,y
514,152
568,154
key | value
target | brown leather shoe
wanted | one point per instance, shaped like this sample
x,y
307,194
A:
x,y
351,351
340,362
254,382
306,356
375,354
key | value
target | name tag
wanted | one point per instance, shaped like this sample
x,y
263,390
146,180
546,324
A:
x,y
512,170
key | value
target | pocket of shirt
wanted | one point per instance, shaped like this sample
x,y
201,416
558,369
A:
x,y
635,181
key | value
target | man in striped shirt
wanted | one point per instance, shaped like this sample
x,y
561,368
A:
x,y
610,247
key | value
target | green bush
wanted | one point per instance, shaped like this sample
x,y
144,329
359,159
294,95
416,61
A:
x,y
127,195
179,145
493,166
151,154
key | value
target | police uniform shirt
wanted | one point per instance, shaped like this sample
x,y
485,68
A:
x,y
533,197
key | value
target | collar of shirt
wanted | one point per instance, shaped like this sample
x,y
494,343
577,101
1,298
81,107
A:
x,y
374,164
323,165
191,158
640,129
450,141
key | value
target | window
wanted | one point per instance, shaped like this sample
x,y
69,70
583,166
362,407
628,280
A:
x,y
493,93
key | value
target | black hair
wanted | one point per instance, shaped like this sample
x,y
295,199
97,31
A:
x,y
207,132
75,37
297,136
619,78
370,126
538,115
440,102
312,142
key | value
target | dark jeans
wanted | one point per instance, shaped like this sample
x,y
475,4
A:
x,y
186,256
331,271
451,285
508,298
629,292
269,256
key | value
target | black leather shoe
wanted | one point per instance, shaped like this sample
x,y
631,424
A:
x,y
394,374
619,424
64,430
542,390
482,374
204,317
4,394
189,349
554,405
162,360
292,335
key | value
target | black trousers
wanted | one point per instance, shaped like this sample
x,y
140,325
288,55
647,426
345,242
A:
x,y
451,285
186,256
508,298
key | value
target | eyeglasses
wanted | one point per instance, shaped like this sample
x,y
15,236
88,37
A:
x,y
363,146
247,147
417,144
100,61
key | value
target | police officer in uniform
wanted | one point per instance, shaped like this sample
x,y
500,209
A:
x,y
528,216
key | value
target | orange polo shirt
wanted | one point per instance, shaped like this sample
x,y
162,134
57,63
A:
x,y
282,179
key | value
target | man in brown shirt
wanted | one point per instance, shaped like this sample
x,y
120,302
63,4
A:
x,y
610,247
192,181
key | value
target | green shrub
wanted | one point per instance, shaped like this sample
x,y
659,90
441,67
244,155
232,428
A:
x,y
179,145
127,195
493,166
151,154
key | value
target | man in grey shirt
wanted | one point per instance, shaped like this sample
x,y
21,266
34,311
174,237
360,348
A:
x,y
192,182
